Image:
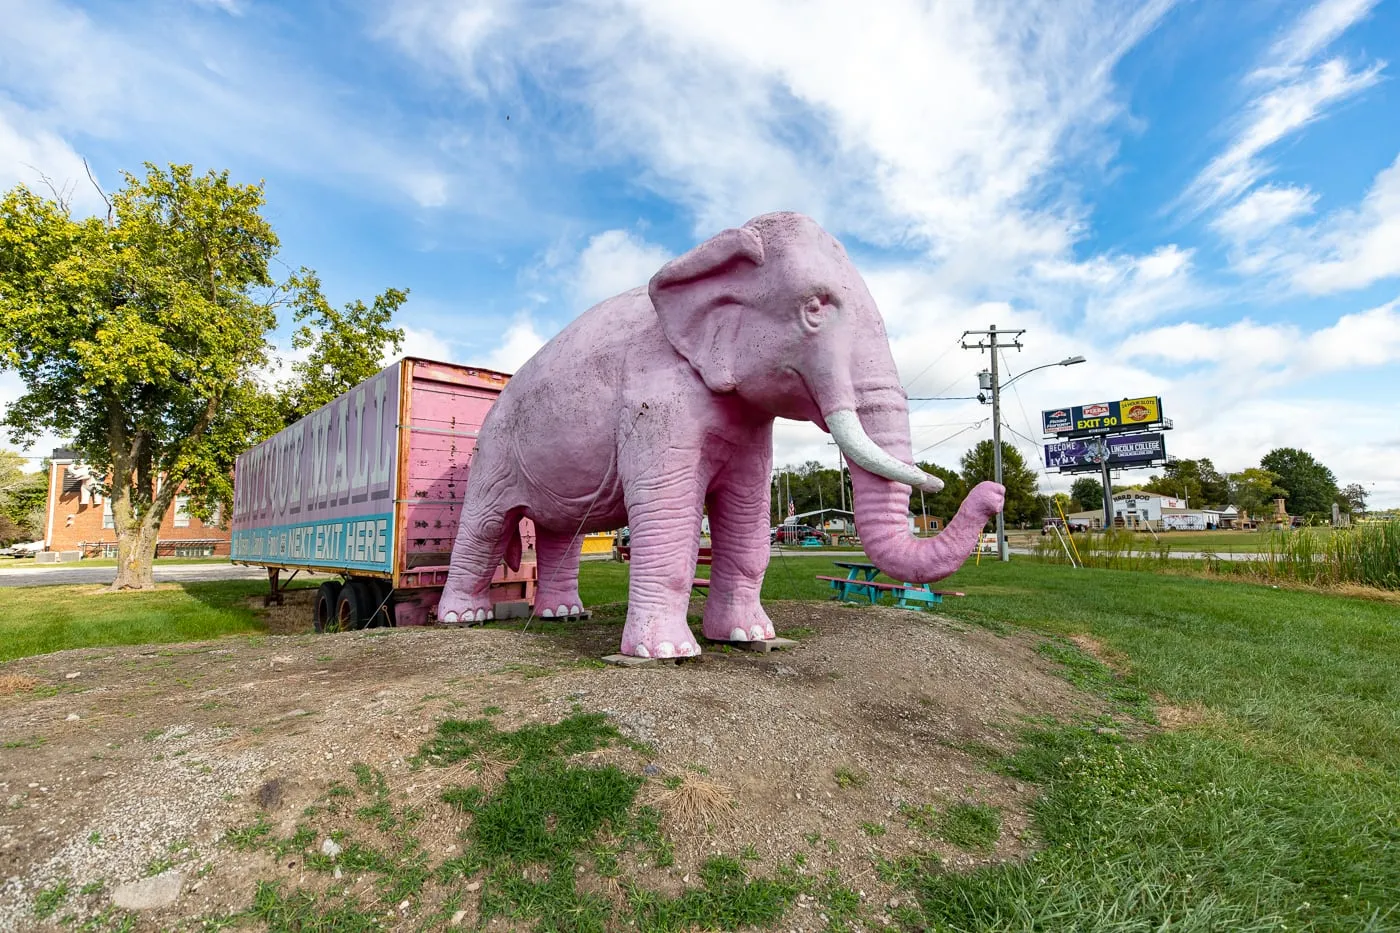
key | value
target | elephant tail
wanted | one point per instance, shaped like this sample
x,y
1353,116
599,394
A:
x,y
511,533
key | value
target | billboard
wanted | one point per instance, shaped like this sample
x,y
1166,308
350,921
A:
x,y
321,492
1130,414
1123,451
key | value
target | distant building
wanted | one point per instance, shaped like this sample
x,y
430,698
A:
x,y
1137,508
79,518
927,524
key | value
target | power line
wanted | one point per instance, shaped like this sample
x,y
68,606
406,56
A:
x,y
971,427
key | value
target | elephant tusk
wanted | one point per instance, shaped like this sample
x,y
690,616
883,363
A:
x,y
850,436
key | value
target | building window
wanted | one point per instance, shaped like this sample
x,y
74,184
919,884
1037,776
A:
x,y
108,521
197,550
182,511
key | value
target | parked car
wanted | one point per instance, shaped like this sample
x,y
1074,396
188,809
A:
x,y
796,534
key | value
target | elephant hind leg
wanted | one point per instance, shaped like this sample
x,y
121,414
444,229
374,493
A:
x,y
558,556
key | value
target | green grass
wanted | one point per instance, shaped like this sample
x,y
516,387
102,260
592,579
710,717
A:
x,y
40,619
1282,812
112,562
525,845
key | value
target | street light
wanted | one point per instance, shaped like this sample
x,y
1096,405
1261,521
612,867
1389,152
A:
x,y
988,380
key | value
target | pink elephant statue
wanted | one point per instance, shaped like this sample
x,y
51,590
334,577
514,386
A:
x,y
658,403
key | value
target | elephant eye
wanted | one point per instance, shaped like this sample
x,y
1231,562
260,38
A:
x,y
814,311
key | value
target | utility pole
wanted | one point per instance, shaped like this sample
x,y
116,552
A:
x,y
990,342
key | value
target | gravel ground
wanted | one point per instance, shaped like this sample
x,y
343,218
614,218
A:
x,y
121,764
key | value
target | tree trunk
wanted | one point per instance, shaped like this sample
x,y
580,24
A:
x,y
136,552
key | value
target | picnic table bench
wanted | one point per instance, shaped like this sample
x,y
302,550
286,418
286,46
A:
x,y
860,581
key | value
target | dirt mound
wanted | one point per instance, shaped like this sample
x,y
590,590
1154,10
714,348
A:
x,y
135,763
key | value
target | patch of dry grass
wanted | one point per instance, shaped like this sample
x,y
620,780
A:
x,y
692,802
17,683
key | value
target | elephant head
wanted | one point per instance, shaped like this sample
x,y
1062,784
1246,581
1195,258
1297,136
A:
x,y
775,312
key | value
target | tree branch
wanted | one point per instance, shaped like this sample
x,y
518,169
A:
x,y
102,194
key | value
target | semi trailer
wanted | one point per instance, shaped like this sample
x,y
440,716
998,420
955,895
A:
x,y
369,489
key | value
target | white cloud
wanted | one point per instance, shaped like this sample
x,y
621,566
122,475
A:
x,y
1263,211
1279,112
1120,292
613,262
521,341
201,93
947,145
1347,249
29,152
1313,32
231,7
1357,248
1246,351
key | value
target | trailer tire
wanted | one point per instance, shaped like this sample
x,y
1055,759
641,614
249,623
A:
x,y
353,607
326,598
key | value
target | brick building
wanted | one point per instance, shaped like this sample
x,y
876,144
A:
x,y
79,518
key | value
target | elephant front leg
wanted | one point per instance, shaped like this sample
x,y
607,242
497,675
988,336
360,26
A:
x,y
739,548
558,556
663,511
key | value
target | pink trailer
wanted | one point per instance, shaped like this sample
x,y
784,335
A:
x,y
369,488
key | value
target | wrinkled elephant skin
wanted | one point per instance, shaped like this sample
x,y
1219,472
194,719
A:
x,y
659,403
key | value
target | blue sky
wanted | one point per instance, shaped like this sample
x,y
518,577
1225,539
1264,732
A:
x,y
1202,198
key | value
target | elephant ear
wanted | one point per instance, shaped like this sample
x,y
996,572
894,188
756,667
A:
x,y
697,298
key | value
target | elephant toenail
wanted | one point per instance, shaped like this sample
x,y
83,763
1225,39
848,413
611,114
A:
x,y
665,650
450,617
738,635
641,651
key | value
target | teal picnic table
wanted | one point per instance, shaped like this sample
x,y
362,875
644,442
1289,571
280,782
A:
x,y
860,581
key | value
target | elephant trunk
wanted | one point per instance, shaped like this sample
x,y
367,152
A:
x,y
882,505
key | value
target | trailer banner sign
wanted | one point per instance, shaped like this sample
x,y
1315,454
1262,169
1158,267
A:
x,y
1130,414
360,543
321,492
1123,451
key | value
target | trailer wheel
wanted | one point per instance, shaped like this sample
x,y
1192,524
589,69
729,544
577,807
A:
x,y
326,598
353,607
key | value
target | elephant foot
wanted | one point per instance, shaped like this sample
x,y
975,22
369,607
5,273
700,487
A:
x,y
463,607
558,604
659,638
737,623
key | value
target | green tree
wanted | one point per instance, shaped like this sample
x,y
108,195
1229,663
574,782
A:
x,y
1312,487
22,496
140,336
1087,493
1254,490
1019,480
945,503
1352,498
1197,481
347,345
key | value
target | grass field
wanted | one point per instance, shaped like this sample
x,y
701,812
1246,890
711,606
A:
x,y
40,619
1275,805
1219,542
